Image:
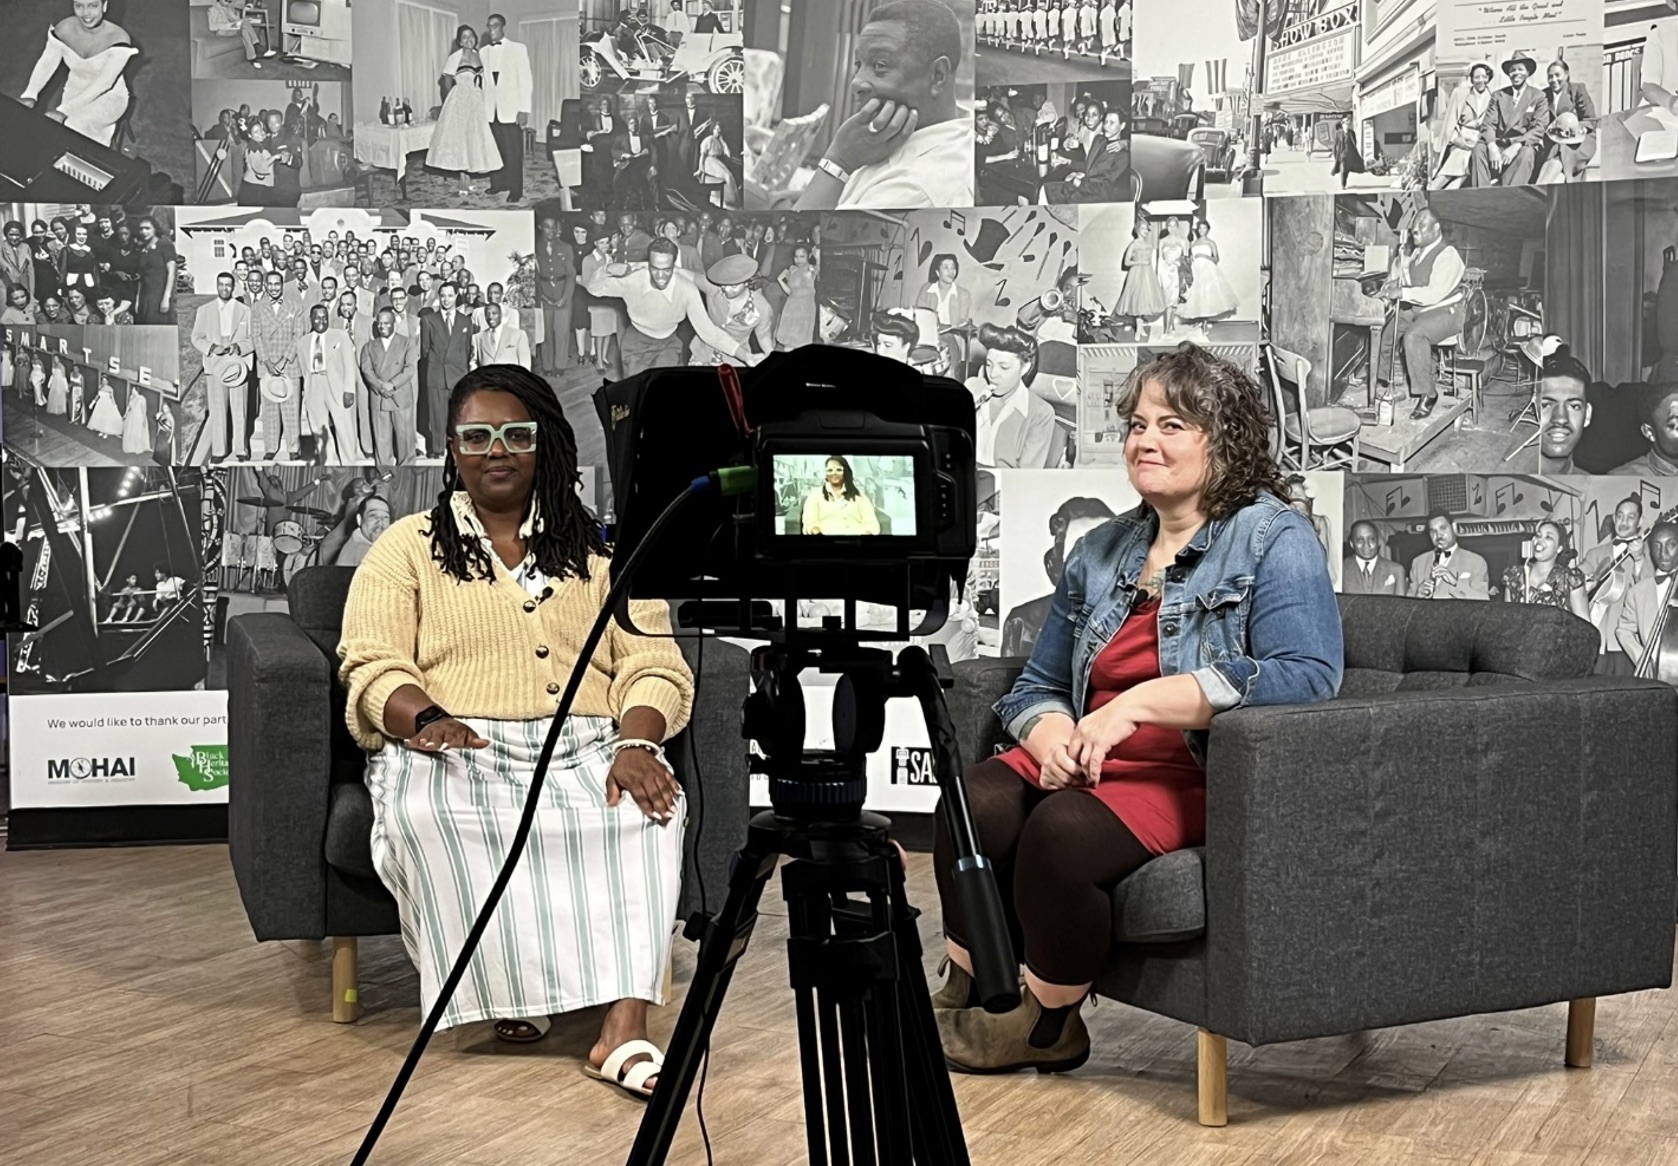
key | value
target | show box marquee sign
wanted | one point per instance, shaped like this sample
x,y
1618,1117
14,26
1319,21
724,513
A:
x,y
1318,51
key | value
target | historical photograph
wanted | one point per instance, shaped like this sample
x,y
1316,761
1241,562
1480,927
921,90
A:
x,y
989,298
97,101
114,576
333,336
1023,41
675,149
1055,143
1468,93
287,40
281,519
1414,331
824,130
1598,379
481,104
1165,272
93,395
88,264
1103,369
1042,517
272,143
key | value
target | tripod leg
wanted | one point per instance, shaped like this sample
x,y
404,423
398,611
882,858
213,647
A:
x,y
936,1131
726,937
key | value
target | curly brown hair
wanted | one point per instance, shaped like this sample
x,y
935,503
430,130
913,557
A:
x,y
1225,402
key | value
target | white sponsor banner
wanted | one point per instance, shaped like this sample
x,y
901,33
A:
x,y
1320,62
1472,30
901,774
118,749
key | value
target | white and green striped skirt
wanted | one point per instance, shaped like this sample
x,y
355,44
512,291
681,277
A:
x,y
588,916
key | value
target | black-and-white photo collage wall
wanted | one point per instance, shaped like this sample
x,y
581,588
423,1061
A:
x,y
250,245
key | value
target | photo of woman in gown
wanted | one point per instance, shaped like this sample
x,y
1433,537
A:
x,y
58,390
1209,296
136,434
1173,253
37,371
463,141
95,51
106,418
1141,298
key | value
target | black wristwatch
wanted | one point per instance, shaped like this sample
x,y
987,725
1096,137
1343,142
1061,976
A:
x,y
431,712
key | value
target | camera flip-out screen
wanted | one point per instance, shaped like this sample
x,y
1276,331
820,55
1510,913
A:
x,y
844,493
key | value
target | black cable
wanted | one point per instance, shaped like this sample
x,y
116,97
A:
x,y
621,575
704,908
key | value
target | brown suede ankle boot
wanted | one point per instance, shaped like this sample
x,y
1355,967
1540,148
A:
x,y
976,1041
957,986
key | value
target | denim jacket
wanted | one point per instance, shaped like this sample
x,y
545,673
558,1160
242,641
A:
x,y
1248,609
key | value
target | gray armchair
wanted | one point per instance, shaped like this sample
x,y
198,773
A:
x,y
300,818
1474,825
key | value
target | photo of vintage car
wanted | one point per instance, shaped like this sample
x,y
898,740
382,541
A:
x,y
1166,168
1217,147
715,60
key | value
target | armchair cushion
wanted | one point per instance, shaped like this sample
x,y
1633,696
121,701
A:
x,y
349,829
1164,902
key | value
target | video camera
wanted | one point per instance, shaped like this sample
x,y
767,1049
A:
x,y
824,473
820,431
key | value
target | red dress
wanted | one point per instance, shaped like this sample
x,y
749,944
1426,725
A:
x,y
1150,780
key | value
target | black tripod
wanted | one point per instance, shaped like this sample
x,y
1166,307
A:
x,y
876,1089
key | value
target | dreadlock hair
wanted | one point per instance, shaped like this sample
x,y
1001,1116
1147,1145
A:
x,y
568,533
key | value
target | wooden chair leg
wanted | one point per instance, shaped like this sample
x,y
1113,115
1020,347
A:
x,y
1212,1055
670,977
346,996
1581,1032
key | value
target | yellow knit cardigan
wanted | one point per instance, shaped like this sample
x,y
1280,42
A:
x,y
487,649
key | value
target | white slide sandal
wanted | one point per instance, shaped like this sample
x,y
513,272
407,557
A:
x,y
632,1081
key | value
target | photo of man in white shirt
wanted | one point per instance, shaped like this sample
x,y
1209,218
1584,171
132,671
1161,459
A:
x,y
908,142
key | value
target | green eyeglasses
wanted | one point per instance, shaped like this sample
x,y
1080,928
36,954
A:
x,y
478,440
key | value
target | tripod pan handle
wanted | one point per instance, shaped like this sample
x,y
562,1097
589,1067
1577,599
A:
x,y
995,969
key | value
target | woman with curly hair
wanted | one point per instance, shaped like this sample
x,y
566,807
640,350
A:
x,y
1212,594
461,630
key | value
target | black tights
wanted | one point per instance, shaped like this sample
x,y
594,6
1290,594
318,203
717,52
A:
x,y
1057,857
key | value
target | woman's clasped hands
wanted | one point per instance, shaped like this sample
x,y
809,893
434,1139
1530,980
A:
x,y
1069,755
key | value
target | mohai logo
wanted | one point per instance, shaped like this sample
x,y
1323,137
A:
x,y
90,769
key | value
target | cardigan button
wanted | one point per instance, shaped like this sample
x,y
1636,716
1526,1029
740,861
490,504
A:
x,y
541,651
553,688
530,605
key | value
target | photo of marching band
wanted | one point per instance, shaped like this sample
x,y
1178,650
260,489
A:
x,y
1053,40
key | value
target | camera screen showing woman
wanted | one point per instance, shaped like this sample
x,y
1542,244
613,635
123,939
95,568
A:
x,y
837,506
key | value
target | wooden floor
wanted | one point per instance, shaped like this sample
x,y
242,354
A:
x,y
140,1025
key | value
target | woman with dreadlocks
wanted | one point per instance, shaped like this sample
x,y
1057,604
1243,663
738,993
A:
x,y
460,632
